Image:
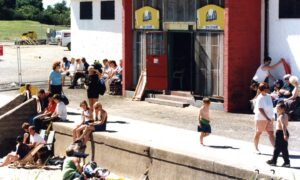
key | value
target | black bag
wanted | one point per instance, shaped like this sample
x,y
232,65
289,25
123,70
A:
x,y
64,99
102,87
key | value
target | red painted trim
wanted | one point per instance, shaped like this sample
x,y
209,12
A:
x,y
127,38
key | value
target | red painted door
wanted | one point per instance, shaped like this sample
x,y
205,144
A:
x,y
156,61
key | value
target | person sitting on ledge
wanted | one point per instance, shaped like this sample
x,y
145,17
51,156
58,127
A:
x,y
60,113
35,138
42,99
38,120
21,151
100,117
293,102
25,127
86,117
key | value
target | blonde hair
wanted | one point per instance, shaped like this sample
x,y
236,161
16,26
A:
x,y
97,105
294,80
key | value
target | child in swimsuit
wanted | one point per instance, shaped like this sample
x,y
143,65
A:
x,y
204,121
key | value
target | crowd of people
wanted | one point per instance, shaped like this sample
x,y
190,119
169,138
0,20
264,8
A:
x,y
269,103
274,103
52,106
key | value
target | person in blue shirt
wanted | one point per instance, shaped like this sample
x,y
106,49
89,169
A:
x,y
55,79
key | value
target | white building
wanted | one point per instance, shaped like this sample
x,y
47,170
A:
x,y
96,28
284,34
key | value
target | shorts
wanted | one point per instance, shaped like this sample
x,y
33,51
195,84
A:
x,y
56,89
204,128
101,127
93,94
263,125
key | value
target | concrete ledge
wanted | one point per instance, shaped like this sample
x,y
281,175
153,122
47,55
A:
x,y
137,156
19,99
11,122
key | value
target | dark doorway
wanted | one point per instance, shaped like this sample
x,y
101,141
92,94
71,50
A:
x,y
180,60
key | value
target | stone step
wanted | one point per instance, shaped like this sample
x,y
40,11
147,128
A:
x,y
167,102
181,93
187,100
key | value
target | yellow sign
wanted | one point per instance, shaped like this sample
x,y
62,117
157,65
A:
x,y
210,17
147,18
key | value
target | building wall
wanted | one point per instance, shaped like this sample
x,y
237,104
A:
x,y
284,38
96,38
242,51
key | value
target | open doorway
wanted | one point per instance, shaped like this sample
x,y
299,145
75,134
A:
x,y
180,60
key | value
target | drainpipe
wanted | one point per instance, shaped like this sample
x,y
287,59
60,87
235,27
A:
x,y
266,33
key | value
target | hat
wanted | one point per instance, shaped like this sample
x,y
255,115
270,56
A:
x,y
287,76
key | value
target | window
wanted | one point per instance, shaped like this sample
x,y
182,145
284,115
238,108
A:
x,y
86,10
107,9
179,10
289,9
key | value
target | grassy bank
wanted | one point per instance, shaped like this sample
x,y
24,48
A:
x,y
12,30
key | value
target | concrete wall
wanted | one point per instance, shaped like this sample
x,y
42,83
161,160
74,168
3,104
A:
x,y
284,39
136,161
11,122
96,38
12,104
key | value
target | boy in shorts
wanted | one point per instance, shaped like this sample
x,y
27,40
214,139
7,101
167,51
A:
x,y
281,137
204,121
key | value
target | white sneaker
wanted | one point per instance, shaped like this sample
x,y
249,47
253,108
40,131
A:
x,y
257,152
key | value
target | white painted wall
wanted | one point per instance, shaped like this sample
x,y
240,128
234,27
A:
x,y
284,39
96,38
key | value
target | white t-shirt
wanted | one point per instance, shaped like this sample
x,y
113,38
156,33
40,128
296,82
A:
x,y
266,103
36,138
260,75
61,110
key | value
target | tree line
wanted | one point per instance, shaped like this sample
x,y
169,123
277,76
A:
x,y
58,14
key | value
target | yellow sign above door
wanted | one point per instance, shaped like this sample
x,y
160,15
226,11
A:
x,y
147,18
210,17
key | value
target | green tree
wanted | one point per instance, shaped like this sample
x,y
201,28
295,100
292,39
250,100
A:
x,y
7,9
36,3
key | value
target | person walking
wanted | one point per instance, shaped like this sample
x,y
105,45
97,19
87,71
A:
x,y
281,139
263,116
204,120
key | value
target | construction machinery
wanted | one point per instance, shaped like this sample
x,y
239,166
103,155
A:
x,y
30,38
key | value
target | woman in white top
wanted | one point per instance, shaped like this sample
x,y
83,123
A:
x,y
294,101
262,73
86,117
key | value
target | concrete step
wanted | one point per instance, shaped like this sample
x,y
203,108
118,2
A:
x,y
167,102
187,100
181,93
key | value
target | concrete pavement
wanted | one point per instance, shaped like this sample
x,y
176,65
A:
x,y
236,154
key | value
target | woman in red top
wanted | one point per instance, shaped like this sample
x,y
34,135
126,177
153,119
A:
x,y
49,110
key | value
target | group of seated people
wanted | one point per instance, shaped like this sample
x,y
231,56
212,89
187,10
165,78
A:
x,y
26,142
109,72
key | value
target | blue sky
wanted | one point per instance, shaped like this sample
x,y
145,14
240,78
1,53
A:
x,y
51,2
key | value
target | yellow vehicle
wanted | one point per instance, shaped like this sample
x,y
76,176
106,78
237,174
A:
x,y
31,35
